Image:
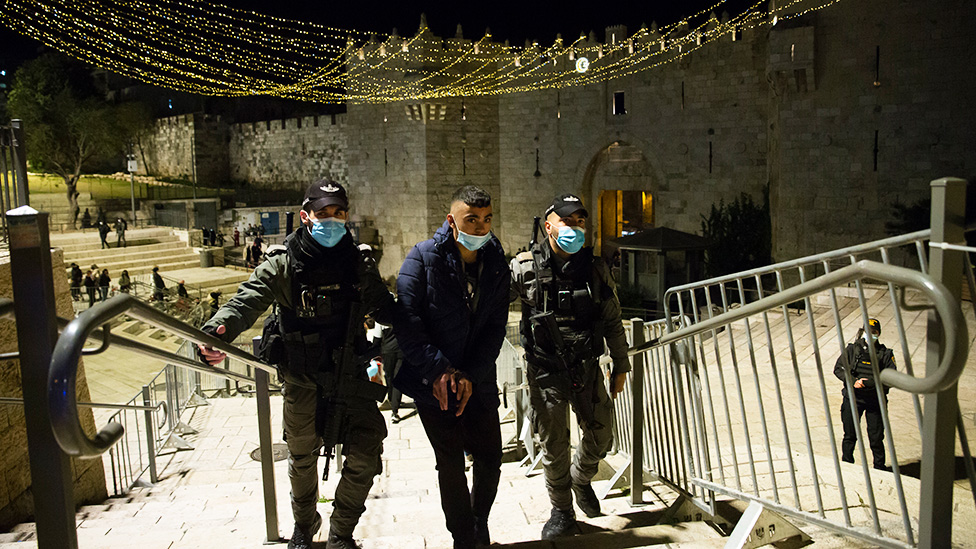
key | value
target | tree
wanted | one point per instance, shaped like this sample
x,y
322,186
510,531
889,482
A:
x,y
740,235
68,125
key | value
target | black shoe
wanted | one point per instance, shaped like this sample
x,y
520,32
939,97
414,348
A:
x,y
561,523
396,418
586,500
341,542
302,537
481,537
846,459
883,468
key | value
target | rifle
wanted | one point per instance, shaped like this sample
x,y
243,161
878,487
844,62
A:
x,y
335,390
535,232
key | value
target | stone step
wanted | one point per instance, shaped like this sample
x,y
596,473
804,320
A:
x,y
90,236
132,254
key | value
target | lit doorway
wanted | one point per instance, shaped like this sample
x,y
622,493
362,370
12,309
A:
x,y
624,213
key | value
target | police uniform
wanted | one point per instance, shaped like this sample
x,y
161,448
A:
x,y
314,288
569,308
857,360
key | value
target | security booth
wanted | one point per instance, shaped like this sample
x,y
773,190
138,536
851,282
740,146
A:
x,y
648,262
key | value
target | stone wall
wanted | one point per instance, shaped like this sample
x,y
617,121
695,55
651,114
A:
x,y
16,498
191,147
798,106
289,153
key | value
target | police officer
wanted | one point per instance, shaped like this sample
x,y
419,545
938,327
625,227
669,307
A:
x,y
857,361
315,282
569,308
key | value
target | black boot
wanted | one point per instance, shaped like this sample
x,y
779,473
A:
x,y
586,500
341,542
302,537
561,523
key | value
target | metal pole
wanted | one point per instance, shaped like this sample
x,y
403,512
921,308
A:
x,y
20,161
941,409
132,196
267,455
150,434
37,333
637,432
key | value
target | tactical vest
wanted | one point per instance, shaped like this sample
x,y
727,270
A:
x,y
315,329
568,304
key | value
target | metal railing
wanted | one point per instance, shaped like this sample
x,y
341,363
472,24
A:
x,y
13,172
721,412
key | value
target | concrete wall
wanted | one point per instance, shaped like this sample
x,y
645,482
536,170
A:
x,y
793,106
16,498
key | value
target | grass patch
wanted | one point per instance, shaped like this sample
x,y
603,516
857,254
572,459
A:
x,y
101,187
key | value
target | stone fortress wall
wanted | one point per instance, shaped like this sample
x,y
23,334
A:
x,y
842,112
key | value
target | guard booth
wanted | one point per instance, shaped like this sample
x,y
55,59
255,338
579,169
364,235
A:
x,y
648,262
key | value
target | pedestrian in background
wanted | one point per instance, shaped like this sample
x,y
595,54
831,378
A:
x,y
103,284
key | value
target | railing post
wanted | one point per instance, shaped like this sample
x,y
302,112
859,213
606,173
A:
x,y
37,333
20,162
941,409
637,421
150,436
263,399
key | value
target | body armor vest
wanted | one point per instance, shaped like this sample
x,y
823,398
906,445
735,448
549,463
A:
x,y
316,327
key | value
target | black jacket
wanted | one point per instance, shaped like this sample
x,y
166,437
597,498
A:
x,y
857,359
437,326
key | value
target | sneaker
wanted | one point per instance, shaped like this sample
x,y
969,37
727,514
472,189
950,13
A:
x,y
302,537
481,537
586,500
341,542
560,523
396,418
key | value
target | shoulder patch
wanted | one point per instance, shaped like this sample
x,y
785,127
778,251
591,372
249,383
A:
x,y
275,249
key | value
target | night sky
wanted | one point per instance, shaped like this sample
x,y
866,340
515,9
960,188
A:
x,y
508,19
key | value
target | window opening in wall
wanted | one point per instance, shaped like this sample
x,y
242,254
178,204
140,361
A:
x,y
386,163
315,121
682,95
875,150
709,157
619,107
877,66
464,162
282,123
268,125
299,122
537,172
333,120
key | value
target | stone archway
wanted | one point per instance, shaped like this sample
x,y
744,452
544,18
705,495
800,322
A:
x,y
620,182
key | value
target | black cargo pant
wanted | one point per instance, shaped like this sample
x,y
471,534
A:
x,y
868,405
362,451
476,432
550,403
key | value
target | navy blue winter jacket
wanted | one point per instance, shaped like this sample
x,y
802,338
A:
x,y
437,327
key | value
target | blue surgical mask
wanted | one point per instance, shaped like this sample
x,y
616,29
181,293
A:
x,y
328,232
571,239
471,241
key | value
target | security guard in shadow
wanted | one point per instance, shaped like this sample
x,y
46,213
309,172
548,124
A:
x,y
857,360
569,309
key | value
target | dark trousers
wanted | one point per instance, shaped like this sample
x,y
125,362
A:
x,y
90,290
361,451
868,405
477,432
391,365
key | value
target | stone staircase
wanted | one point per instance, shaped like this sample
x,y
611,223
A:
x,y
211,496
59,213
145,248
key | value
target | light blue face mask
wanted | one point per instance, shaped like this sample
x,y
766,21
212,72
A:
x,y
471,241
328,232
571,239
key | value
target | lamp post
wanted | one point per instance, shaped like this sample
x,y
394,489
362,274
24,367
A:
x,y
132,166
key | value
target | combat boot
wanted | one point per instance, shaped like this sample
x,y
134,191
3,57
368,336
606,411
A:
x,y
302,537
586,500
481,536
560,523
341,542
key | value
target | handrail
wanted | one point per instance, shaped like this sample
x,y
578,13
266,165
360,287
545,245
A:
x,y
955,331
64,367
105,405
872,246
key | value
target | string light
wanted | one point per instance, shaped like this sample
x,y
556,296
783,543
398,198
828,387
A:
x,y
210,49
